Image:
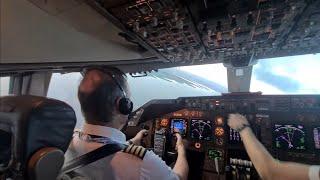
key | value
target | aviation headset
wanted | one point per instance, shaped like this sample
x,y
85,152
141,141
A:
x,y
123,104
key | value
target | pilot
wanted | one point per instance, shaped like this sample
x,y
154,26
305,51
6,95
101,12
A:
x,y
265,164
98,93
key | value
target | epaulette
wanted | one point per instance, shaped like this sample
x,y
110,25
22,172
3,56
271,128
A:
x,y
138,151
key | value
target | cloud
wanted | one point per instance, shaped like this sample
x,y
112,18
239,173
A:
x,y
264,72
293,75
265,88
214,72
283,75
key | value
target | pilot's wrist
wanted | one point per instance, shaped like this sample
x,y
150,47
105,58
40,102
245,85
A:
x,y
130,142
242,127
245,131
181,151
133,141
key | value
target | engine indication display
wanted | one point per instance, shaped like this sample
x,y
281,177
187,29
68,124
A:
x,y
201,129
179,125
289,137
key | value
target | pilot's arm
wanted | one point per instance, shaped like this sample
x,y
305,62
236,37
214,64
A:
x,y
265,164
181,167
155,168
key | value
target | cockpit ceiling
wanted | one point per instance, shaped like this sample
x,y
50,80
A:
x,y
60,31
174,32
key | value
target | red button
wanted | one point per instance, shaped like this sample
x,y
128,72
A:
x,y
197,145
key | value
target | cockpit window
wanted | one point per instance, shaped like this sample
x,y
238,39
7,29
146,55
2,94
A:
x,y
65,88
4,86
287,75
164,84
169,84
213,76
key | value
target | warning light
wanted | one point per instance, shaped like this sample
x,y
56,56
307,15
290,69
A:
x,y
197,145
219,131
164,122
219,121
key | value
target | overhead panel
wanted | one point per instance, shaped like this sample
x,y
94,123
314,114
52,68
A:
x,y
199,32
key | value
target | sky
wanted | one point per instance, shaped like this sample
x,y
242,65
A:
x,y
284,75
288,75
4,85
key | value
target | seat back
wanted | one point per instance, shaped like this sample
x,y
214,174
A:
x,y
34,134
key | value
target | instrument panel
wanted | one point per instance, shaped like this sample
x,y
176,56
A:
x,y
196,126
287,125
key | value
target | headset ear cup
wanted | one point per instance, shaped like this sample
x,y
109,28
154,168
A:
x,y
125,106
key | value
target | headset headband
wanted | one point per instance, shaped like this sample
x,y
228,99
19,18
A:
x,y
113,77
117,83
124,104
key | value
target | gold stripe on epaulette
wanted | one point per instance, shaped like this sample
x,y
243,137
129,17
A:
x,y
133,149
136,152
142,153
128,149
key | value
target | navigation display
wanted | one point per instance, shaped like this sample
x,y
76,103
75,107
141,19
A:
x,y
179,125
289,137
201,129
316,136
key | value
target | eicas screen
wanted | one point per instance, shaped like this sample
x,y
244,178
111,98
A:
x,y
179,125
289,137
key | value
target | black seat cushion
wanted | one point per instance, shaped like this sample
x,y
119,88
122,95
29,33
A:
x,y
41,122
5,148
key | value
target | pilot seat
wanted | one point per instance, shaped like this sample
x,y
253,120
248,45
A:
x,y
35,132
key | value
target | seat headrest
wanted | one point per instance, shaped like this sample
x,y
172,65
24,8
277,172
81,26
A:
x,y
45,164
30,123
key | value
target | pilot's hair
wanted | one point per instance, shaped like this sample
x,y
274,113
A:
x,y
98,106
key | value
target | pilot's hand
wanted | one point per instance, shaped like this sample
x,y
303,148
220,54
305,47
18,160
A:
x,y
139,136
180,146
237,121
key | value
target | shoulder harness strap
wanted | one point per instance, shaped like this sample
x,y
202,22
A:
x,y
138,151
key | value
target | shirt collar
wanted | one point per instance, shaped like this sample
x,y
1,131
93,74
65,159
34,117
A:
x,y
112,133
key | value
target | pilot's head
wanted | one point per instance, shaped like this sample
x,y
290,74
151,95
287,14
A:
x,y
99,93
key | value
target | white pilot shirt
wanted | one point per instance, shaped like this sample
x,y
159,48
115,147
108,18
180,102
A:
x,y
119,165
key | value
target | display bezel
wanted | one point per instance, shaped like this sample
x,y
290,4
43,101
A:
x,y
185,126
305,130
